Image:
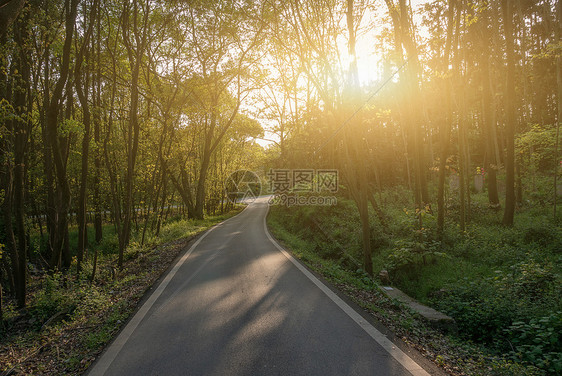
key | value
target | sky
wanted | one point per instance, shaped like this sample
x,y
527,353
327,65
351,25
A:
x,y
368,59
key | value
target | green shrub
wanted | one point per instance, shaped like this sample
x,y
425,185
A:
x,y
110,244
73,298
54,298
479,308
538,341
90,298
533,278
410,254
541,234
422,245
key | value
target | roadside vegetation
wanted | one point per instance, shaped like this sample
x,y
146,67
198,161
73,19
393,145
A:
x,y
70,318
111,112
503,286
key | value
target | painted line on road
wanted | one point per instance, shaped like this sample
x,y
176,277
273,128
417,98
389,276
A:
x,y
102,365
402,358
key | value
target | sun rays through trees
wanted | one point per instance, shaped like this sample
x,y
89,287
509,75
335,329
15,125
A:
x,y
130,113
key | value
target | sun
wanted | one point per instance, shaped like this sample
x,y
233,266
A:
x,y
368,60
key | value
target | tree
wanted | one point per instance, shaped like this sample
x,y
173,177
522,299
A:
x,y
507,7
9,11
135,46
60,252
222,63
405,41
445,130
558,34
82,91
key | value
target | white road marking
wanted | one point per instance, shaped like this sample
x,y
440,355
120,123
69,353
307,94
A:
x,y
109,356
402,358
100,368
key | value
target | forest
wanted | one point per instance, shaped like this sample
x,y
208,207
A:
x,y
121,121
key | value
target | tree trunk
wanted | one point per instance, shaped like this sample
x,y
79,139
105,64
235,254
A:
x,y
200,193
62,201
50,209
558,33
9,12
378,211
507,6
445,131
11,245
488,111
463,188
362,207
163,205
82,205
135,56
21,130
97,141
86,119
357,170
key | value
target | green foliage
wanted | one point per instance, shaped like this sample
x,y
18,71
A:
x,y
537,145
487,278
507,308
541,235
421,247
531,278
55,297
102,335
481,312
178,230
71,298
110,244
89,298
538,341
71,126
7,113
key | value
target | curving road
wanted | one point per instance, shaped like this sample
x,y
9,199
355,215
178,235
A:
x,y
236,303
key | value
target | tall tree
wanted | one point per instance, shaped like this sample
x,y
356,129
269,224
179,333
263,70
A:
x,y
558,39
404,35
60,252
82,89
489,110
445,130
136,45
9,11
21,129
354,150
223,61
511,116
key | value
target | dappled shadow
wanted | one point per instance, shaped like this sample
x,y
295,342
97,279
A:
x,y
239,307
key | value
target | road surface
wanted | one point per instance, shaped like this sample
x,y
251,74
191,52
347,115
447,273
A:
x,y
236,303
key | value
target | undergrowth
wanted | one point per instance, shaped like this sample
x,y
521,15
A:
x,y
68,318
501,285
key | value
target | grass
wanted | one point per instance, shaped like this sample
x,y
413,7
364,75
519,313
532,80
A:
x,y
502,285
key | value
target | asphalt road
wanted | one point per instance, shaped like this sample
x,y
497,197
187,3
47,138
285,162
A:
x,y
236,303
